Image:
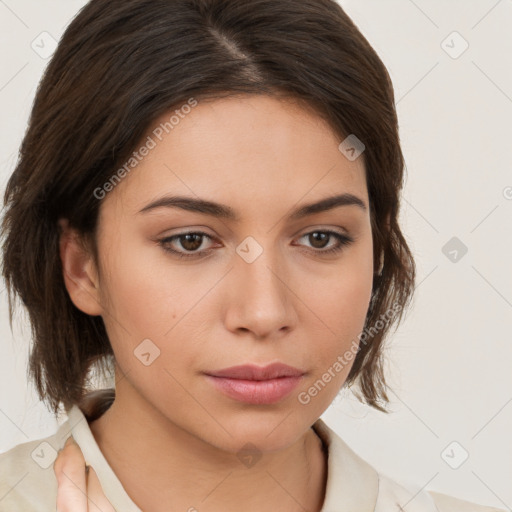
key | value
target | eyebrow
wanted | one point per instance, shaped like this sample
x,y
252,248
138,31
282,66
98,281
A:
x,y
226,212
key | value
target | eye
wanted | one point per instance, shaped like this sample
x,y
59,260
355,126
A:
x,y
318,239
190,241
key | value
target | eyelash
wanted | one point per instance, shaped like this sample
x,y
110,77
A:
x,y
343,241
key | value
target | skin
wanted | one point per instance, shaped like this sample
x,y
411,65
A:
x,y
172,438
78,491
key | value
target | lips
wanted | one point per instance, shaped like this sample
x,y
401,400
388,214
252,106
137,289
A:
x,y
252,372
256,385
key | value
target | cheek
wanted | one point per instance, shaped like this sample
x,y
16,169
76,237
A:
x,y
340,297
150,298
339,304
147,294
347,302
342,309
137,301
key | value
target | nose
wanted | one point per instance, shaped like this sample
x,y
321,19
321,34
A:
x,y
260,297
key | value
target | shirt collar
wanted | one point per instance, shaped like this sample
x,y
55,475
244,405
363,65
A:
x,y
352,484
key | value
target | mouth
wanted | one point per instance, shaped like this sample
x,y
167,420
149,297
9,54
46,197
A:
x,y
256,385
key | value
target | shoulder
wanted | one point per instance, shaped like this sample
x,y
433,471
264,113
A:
x,y
353,480
27,480
447,503
405,496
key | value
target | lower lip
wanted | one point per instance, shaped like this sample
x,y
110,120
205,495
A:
x,y
256,391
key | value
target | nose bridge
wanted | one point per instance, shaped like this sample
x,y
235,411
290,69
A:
x,y
262,269
261,299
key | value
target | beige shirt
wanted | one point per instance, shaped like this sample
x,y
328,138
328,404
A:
x,y
28,483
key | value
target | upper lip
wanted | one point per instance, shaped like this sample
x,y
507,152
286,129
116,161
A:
x,y
253,372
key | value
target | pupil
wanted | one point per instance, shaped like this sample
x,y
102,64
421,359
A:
x,y
316,236
191,245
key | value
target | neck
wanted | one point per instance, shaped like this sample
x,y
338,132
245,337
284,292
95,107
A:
x,y
163,467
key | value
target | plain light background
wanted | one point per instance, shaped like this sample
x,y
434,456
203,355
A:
x,y
449,364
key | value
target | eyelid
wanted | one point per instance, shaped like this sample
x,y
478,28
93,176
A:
x,y
320,227
199,230
343,240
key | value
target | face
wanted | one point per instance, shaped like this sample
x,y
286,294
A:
x,y
187,293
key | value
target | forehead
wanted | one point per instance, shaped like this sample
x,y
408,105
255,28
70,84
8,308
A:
x,y
246,151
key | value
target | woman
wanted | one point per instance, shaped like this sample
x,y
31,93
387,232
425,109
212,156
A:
x,y
206,202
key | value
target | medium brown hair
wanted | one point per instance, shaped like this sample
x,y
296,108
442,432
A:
x,y
119,66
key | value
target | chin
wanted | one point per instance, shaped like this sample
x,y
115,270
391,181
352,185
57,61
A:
x,y
268,430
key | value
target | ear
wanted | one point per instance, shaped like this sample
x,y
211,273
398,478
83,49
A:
x,y
79,271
